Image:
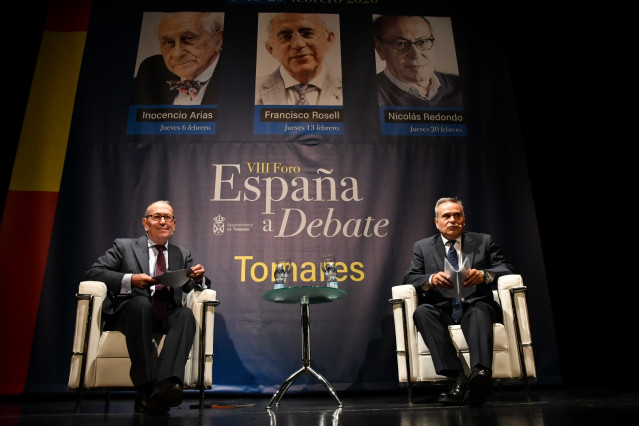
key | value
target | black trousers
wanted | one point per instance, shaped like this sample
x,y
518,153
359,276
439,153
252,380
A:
x,y
136,320
477,326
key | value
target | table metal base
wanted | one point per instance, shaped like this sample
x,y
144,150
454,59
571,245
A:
x,y
304,370
306,361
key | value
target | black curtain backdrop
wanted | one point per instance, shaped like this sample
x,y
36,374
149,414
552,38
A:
x,y
110,177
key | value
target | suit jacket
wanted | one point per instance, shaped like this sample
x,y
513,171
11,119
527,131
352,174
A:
x,y
150,86
131,255
270,90
448,94
482,253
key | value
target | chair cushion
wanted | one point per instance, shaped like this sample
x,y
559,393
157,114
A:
x,y
501,340
113,345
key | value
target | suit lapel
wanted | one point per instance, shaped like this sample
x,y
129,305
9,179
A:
x,y
439,252
330,93
468,248
273,90
176,260
212,89
141,251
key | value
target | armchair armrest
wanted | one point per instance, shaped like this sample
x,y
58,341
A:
x,y
512,296
404,302
203,304
406,294
87,330
198,300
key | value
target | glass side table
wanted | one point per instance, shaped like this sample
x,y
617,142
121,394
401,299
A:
x,y
305,296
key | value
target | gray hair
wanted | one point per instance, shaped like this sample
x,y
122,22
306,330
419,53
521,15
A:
x,y
213,22
378,24
447,200
317,16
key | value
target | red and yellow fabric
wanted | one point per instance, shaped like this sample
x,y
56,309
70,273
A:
x,y
27,221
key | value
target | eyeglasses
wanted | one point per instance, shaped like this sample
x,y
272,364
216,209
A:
x,y
305,34
158,217
402,46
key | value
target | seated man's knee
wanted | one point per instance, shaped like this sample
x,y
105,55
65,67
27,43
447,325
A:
x,y
484,309
185,316
140,306
426,311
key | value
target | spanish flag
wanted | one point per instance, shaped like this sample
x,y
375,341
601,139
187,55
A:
x,y
27,220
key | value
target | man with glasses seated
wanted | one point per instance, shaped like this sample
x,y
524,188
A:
x,y
134,306
300,43
408,46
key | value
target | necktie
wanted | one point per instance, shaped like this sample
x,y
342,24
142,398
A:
x,y
160,264
452,259
301,91
190,87
163,294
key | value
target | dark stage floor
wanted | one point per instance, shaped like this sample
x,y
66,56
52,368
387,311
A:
x,y
548,406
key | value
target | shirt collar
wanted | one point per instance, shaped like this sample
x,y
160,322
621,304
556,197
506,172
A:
x,y
446,240
208,72
151,243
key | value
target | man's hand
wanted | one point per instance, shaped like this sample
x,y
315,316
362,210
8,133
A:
x,y
196,273
142,281
441,279
474,277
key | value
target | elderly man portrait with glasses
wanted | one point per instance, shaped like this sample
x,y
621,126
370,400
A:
x,y
408,46
300,43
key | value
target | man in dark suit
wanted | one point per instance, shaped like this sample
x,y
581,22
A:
x,y
434,313
134,305
186,72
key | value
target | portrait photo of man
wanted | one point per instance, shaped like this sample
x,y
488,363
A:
x,y
416,61
298,59
178,59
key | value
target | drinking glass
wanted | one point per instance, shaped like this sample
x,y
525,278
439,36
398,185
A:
x,y
327,264
282,269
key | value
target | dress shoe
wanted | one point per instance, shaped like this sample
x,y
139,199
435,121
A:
x,y
456,392
168,393
144,404
480,386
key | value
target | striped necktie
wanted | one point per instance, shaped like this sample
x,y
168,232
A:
x,y
301,91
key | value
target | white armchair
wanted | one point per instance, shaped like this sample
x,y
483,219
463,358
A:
x,y
512,352
100,359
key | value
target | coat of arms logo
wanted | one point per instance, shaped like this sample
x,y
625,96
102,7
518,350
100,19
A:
x,y
218,224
